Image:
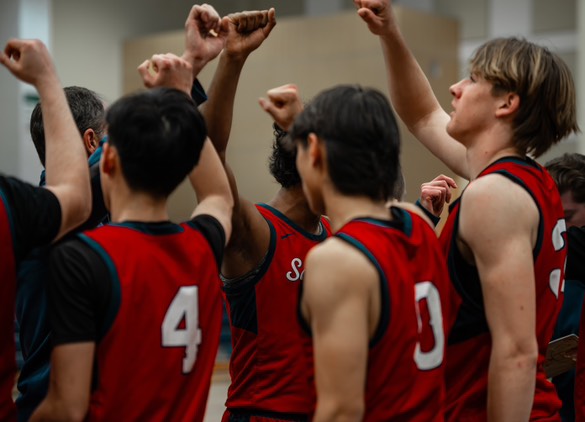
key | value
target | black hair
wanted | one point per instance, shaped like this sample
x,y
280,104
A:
x,y
159,135
361,137
282,160
88,112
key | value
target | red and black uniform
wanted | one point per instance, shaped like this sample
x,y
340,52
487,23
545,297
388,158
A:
x,y
22,227
405,370
469,347
271,366
149,295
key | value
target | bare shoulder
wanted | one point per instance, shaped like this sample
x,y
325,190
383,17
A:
x,y
494,207
496,192
335,263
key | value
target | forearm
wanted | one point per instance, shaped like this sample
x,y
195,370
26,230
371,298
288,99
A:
x,y
511,383
415,102
65,156
410,91
218,110
66,159
211,185
51,410
339,412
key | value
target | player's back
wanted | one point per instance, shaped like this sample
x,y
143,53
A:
x,y
271,365
405,372
161,330
469,345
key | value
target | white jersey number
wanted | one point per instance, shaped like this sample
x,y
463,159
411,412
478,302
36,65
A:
x,y
554,280
185,306
425,361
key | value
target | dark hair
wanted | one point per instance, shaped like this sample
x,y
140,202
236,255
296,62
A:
x,y
544,84
159,135
282,160
361,137
88,112
568,172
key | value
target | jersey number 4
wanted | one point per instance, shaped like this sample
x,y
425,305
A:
x,y
183,308
432,359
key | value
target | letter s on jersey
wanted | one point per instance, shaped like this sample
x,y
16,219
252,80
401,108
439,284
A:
x,y
295,274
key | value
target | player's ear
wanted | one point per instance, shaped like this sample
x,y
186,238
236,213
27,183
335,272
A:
x,y
508,105
90,141
109,159
315,148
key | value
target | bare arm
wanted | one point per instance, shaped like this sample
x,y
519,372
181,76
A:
x,y
337,301
410,91
66,162
69,392
245,32
499,223
204,37
212,188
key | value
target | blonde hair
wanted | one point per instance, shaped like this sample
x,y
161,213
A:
x,y
542,80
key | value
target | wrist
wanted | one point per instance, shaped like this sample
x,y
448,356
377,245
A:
x,y
235,57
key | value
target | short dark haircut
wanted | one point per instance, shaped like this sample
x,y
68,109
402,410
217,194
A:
x,y
568,172
159,135
282,161
88,112
361,137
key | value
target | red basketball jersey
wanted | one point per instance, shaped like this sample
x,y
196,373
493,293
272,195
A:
x,y
7,294
405,371
155,361
469,345
271,365
580,373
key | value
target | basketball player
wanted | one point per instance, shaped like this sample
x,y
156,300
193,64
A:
x,y
65,203
375,295
271,373
139,299
504,236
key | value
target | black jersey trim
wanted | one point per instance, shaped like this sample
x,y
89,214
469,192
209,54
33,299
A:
x,y
402,221
384,290
240,292
246,415
116,296
470,321
161,228
316,237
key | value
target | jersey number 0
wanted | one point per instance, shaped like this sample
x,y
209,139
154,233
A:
x,y
432,359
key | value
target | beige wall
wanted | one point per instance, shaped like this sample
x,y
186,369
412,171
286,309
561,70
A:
x,y
314,53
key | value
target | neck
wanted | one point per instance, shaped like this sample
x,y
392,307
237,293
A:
x,y
292,203
126,206
341,209
489,148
